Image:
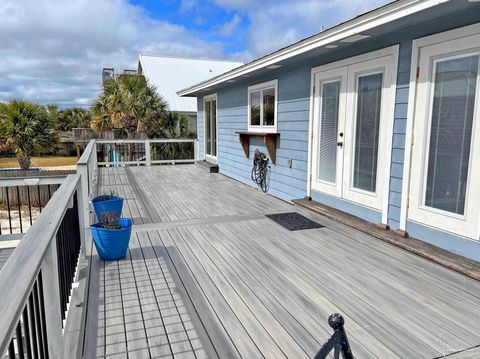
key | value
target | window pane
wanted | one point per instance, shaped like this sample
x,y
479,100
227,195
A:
x,y
450,133
214,128
208,133
269,107
369,95
255,108
327,165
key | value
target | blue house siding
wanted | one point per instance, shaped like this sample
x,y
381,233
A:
x,y
292,123
200,128
454,243
294,83
399,129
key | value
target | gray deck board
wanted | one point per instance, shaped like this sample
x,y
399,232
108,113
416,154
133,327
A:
x,y
207,275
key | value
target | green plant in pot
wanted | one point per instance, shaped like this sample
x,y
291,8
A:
x,y
107,202
111,235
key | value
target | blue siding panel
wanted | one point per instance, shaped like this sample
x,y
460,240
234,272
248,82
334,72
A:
x,y
357,210
453,243
200,128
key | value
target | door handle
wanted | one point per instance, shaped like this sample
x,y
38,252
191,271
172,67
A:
x,y
340,144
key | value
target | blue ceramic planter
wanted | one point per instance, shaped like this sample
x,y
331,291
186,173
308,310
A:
x,y
101,206
112,244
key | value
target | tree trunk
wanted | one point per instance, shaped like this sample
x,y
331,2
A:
x,y
130,146
24,161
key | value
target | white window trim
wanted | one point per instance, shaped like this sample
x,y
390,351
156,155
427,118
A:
x,y
210,97
417,45
263,86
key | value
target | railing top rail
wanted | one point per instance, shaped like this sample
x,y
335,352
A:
x,y
172,140
153,140
87,153
20,271
31,181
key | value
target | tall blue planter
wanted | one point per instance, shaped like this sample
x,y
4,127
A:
x,y
101,206
112,244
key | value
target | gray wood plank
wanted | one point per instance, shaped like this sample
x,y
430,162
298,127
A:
x,y
248,305
227,318
290,335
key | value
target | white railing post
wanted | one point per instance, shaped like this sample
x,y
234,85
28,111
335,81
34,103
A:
x,y
95,165
83,204
51,294
148,156
196,150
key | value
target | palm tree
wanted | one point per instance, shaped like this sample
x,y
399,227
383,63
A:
x,y
175,125
24,129
73,117
128,103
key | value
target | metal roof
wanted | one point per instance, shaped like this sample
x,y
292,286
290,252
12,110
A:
x,y
170,74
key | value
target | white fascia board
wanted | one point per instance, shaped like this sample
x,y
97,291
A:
x,y
375,18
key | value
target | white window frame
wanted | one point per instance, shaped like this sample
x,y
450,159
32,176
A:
x,y
465,34
210,97
260,87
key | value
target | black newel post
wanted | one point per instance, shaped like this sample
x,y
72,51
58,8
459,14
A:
x,y
338,341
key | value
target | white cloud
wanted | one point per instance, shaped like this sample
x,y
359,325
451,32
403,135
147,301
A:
x,y
54,50
275,23
228,28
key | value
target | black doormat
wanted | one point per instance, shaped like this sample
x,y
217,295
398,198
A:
x,y
293,221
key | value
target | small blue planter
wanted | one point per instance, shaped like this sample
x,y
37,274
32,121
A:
x,y
101,206
112,244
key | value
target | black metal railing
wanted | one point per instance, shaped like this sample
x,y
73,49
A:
x,y
68,251
21,205
37,279
338,342
30,337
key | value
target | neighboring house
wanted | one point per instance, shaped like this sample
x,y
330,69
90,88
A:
x,y
378,117
168,74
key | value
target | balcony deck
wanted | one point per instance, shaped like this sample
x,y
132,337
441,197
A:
x,y
208,275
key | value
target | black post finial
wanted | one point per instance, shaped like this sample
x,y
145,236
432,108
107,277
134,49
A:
x,y
336,321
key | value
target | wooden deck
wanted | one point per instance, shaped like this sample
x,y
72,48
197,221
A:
x,y
208,275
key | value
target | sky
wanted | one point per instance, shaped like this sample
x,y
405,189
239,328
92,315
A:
x,y
53,51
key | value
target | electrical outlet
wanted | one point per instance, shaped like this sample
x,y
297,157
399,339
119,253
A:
x,y
289,163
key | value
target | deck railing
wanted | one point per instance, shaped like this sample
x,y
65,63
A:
x,y
37,279
22,199
37,282
146,152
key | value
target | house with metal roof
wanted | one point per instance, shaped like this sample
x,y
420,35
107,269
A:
x,y
377,117
168,74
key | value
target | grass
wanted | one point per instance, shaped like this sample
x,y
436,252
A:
x,y
47,161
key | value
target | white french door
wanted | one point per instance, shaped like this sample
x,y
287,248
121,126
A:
x,y
444,188
210,107
352,117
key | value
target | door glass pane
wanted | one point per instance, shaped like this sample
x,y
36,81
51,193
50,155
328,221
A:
x,y
450,133
269,107
208,133
214,128
255,108
367,126
327,166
